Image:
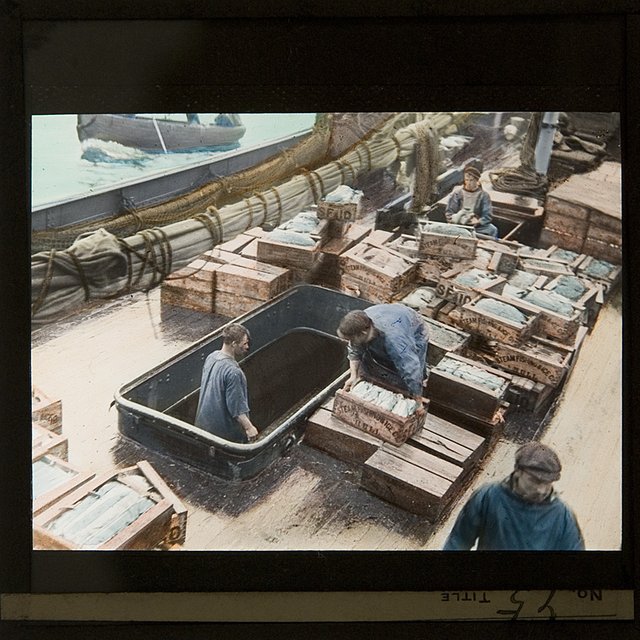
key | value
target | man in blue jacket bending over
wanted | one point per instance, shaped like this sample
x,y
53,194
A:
x,y
522,512
387,342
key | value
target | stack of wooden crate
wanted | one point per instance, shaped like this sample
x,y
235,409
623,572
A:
x,y
372,270
422,475
227,280
244,284
194,286
58,486
299,259
584,214
469,397
342,236
191,287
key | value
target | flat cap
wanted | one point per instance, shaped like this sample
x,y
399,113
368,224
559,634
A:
x,y
474,171
539,460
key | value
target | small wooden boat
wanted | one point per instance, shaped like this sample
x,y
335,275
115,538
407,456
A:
x,y
158,135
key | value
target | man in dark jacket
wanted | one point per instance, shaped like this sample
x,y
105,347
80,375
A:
x,y
522,512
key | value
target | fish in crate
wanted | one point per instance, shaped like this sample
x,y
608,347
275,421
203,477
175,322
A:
x,y
131,509
388,415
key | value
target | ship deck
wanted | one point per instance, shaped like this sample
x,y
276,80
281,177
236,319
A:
x,y
309,500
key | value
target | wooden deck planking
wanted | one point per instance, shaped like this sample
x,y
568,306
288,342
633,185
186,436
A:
x,y
84,359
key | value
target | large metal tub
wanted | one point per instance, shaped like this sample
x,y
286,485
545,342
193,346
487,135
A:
x,y
295,362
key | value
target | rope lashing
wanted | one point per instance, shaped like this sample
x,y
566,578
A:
x,y
250,208
44,289
225,183
126,249
347,164
166,251
279,202
81,274
340,166
149,258
397,145
208,224
265,205
312,185
322,187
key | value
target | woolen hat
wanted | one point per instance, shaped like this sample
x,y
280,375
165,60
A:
x,y
473,171
539,460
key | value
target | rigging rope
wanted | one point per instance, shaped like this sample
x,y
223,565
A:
x,y
524,180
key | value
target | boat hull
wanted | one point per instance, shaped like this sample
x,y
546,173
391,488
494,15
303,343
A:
x,y
154,136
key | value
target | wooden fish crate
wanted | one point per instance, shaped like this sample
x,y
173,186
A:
x,y
545,266
555,325
412,479
405,244
450,442
163,524
379,238
337,245
560,254
254,279
45,442
428,270
503,262
600,271
525,280
374,419
192,287
451,289
527,395
219,256
467,397
64,478
327,432
514,206
341,211
427,308
250,250
444,339
46,410
475,320
591,299
287,255
367,291
432,244
537,359
235,245
571,241
378,266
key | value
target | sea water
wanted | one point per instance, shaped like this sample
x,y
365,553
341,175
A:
x,y
59,170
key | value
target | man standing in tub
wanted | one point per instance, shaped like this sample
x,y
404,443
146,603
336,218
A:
x,y
223,407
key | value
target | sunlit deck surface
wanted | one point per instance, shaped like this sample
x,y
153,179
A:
x,y
309,500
